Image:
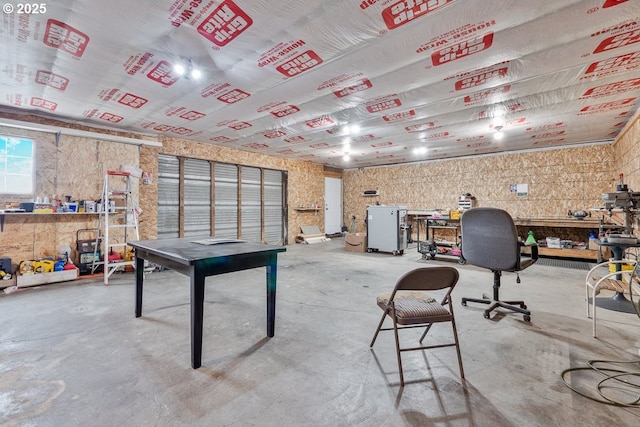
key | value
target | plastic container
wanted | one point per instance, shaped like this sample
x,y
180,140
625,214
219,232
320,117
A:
x,y
554,243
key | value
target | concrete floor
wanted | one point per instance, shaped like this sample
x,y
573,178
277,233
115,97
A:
x,y
74,354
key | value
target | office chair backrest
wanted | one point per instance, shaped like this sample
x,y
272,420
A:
x,y
489,239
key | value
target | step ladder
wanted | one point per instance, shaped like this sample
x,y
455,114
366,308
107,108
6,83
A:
x,y
117,224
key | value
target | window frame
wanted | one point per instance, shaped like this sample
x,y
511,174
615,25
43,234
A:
x,y
4,174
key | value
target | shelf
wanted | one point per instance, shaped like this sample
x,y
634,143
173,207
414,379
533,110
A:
x,y
564,253
560,222
46,213
308,209
41,214
445,243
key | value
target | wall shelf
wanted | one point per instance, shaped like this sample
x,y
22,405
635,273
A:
x,y
309,209
41,215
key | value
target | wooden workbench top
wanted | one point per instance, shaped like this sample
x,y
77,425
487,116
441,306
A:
x,y
558,222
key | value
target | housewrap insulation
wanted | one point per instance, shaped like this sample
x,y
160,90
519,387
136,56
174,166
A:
x,y
421,79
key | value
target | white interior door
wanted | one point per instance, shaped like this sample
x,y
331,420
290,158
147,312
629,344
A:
x,y
332,205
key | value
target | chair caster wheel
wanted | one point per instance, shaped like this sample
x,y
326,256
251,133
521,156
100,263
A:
x,y
464,302
527,318
486,314
524,307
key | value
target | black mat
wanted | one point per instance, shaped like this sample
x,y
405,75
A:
x,y
566,263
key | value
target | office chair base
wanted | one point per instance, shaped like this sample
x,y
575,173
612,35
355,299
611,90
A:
x,y
517,306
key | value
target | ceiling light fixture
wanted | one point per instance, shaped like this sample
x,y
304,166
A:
x,y
350,129
499,134
499,111
420,150
185,68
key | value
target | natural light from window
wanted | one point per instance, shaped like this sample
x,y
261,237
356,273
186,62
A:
x,y
16,165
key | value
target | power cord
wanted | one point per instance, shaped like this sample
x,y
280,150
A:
x,y
614,380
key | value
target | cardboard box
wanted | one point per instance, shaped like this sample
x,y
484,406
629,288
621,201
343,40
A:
x,y
355,242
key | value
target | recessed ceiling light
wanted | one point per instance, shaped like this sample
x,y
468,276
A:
x,y
350,129
179,69
185,68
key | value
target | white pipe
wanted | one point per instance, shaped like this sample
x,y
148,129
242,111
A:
x,y
75,132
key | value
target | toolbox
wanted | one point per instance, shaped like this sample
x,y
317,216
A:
x,y
87,250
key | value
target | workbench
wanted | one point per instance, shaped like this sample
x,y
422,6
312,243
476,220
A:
x,y
435,225
564,228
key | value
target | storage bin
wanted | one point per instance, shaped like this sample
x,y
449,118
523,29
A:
x,y
554,243
566,244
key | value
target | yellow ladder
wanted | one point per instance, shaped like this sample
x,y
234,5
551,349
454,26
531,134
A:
x,y
117,224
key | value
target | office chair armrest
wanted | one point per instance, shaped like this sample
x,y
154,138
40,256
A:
x,y
534,254
534,251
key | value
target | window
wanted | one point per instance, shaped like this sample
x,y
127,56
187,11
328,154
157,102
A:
x,y
16,165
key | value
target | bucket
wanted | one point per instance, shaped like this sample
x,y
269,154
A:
x,y
623,267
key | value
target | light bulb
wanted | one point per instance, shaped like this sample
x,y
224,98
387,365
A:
x,y
350,129
179,69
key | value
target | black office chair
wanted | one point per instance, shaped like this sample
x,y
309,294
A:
x,y
490,240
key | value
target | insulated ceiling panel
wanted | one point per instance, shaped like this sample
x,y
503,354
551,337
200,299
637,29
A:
x,y
419,79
